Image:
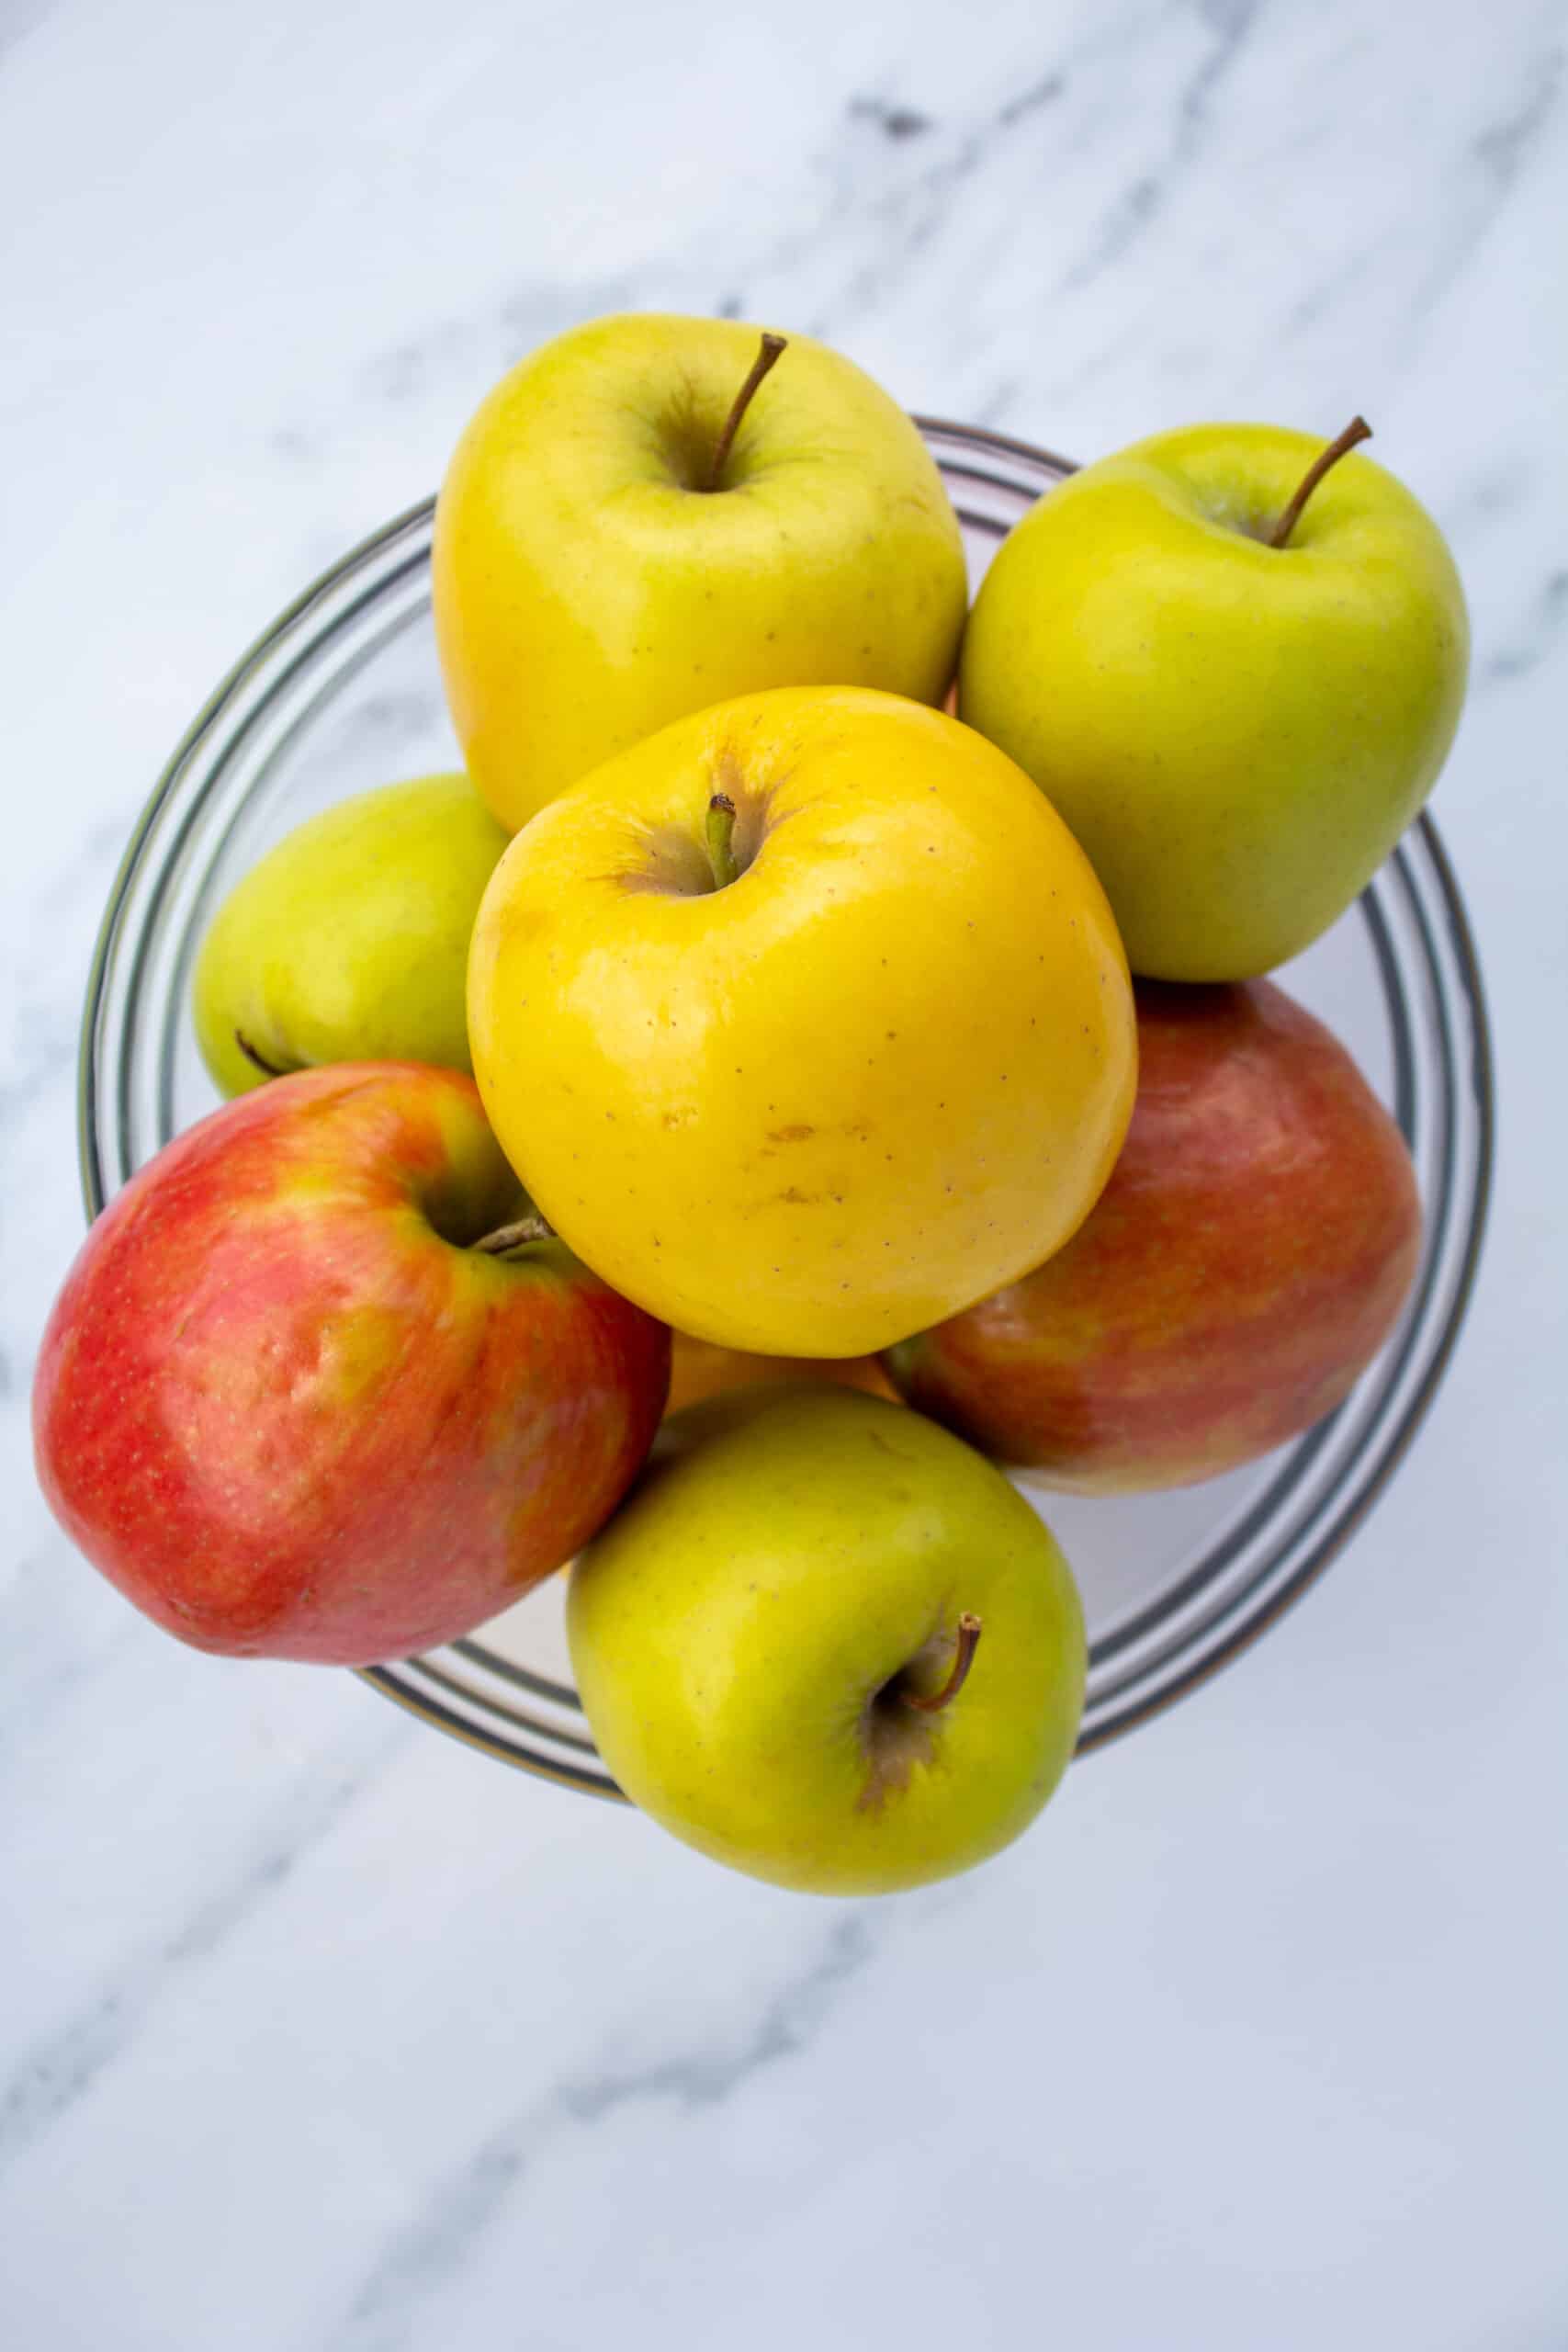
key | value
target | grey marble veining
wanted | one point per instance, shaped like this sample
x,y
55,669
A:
x,y
316,2030
473,2201
61,2070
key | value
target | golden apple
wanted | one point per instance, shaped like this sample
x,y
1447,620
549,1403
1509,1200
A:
x,y
606,560
813,1080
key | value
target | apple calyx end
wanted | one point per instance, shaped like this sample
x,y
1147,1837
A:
x,y
770,349
958,1675
1357,430
256,1060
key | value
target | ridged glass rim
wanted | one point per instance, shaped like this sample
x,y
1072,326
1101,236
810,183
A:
x,y
466,1690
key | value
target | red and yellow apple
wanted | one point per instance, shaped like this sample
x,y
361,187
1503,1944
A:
x,y
1247,1259
698,1369
287,1407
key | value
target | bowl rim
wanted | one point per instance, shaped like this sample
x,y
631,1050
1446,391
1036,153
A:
x,y
1396,1440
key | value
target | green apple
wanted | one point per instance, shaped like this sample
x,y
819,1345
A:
x,y
1237,699
349,941
825,1642
635,524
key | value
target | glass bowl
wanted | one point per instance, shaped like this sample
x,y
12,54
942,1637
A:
x,y
344,692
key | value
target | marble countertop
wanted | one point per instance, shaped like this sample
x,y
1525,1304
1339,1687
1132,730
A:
x,y
317,2030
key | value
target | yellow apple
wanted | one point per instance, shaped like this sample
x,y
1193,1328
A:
x,y
1237,731
593,580
808,1089
827,1643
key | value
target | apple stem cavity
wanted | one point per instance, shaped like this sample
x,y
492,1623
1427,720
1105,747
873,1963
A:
x,y
1357,430
963,1659
532,1228
721,840
257,1061
772,345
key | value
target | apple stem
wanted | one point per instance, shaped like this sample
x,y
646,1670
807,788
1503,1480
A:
x,y
962,1658
532,1228
772,345
257,1060
1357,430
721,840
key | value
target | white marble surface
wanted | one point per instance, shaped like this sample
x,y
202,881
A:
x,y
319,2032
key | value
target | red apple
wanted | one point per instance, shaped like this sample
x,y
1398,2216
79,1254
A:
x,y
287,1407
1247,1259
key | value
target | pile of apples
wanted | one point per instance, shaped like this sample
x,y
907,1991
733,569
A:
x,y
740,991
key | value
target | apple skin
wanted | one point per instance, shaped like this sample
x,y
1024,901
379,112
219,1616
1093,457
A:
x,y
288,1418
349,941
1247,1258
1237,734
698,1370
740,1629
587,590
885,1069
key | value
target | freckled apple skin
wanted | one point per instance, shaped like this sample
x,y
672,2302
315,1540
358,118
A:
x,y
883,1069
1249,1257
288,1419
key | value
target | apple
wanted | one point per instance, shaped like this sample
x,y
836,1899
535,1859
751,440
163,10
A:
x,y
635,524
698,1370
1237,699
1243,1266
824,1641
349,941
290,1409
805,1023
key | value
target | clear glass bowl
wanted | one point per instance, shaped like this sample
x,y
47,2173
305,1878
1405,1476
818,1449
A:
x,y
344,692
